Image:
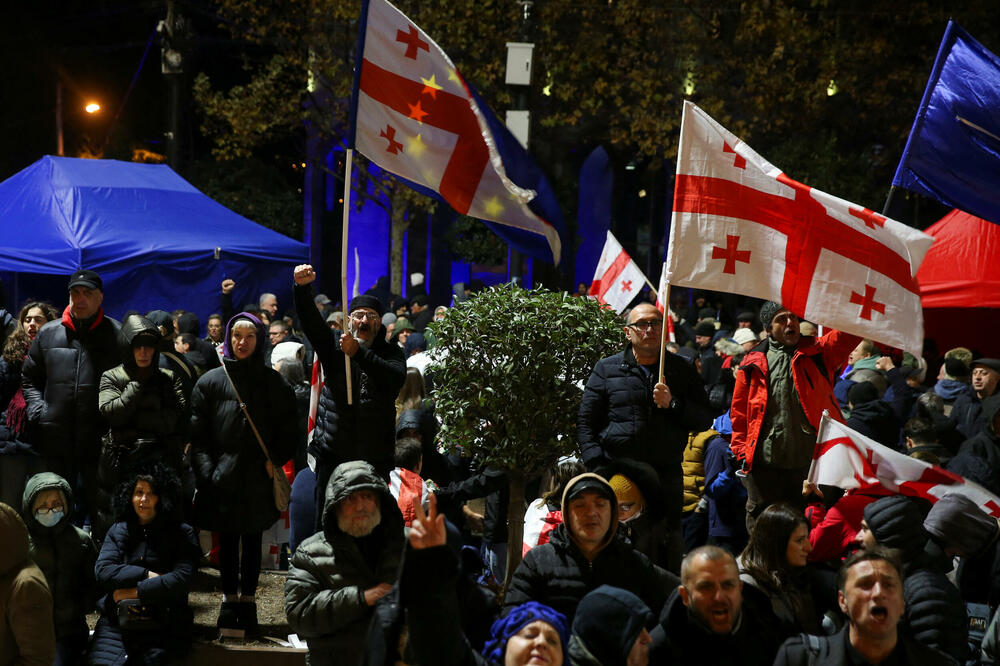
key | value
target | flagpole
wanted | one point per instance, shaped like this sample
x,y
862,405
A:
x,y
663,327
348,163
888,201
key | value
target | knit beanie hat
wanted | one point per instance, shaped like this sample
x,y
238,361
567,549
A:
x,y
955,368
898,522
367,301
861,393
705,327
955,521
626,491
516,620
608,620
767,312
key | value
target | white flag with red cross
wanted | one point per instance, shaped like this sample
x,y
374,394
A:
x,y
617,279
740,225
847,459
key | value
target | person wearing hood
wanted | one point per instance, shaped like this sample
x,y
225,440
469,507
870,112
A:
x,y
584,552
960,527
611,629
726,496
146,410
144,570
337,576
978,458
169,358
363,429
27,634
234,477
60,379
935,613
66,555
704,621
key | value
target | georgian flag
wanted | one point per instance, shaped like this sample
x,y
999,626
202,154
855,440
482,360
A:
x,y
847,459
617,279
416,117
742,226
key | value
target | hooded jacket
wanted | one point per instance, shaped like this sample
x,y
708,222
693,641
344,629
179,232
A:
x,y
65,554
235,494
608,621
26,631
978,458
363,430
328,575
814,366
558,574
61,374
957,522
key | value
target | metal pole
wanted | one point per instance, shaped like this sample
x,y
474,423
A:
x,y
59,120
348,163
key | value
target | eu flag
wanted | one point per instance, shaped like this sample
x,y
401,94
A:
x,y
953,151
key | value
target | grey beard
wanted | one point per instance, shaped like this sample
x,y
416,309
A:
x,y
361,529
354,331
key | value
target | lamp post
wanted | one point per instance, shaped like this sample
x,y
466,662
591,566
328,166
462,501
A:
x,y
91,107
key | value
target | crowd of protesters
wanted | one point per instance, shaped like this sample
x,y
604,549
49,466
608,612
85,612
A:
x,y
685,531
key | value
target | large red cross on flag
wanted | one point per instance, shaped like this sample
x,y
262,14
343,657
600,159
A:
x,y
742,226
417,119
618,278
847,459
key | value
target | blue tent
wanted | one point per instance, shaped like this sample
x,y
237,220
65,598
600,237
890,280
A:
x,y
157,242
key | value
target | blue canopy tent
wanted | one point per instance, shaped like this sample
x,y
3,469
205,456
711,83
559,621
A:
x,y
157,242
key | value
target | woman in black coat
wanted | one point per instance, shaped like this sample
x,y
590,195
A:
x,y
144,571
235,488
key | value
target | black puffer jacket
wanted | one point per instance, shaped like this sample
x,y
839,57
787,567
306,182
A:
x,y
833,650
618,418
559,575
65,554
978,458
364,430
235,494
877,420
327,577
60,381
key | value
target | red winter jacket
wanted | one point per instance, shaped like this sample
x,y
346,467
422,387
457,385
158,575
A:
x,y
814,368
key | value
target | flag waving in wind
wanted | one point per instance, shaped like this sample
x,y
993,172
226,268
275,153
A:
x,y
953,151
415,116
742,226
618,278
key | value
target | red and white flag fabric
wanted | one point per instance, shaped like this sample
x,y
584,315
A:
x,y
417,118
617,279
663,307
315,386
539,523
847,459
742,226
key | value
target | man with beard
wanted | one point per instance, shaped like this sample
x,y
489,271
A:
x,y
703,621
870,594
365,428
337,576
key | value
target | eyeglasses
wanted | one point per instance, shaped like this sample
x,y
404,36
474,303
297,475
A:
x,y
47,510
642,326
370,316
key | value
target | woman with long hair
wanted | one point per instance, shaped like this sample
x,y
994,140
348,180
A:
x,y
411,396
773,569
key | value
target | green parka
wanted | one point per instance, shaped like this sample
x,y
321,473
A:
x,y
26,634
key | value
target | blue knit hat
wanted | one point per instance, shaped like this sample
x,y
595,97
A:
x,y
516,620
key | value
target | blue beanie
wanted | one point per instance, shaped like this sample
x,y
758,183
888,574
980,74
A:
x,y
516,620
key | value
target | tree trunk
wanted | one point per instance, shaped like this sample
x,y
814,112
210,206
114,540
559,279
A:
x,y
515,522
397,234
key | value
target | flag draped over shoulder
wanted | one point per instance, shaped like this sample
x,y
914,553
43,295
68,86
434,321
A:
x,y
953,151
617,279
415,116
847,459
742,226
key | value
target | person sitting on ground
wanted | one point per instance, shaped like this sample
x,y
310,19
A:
x,y
870,594
66,555
27,634
610,629
145,569
703,621
584,552
773,569
532,633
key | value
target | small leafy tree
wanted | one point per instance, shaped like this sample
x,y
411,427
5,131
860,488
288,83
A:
x,y
509,385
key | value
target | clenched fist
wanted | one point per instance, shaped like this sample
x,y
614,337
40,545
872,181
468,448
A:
x,y
304,274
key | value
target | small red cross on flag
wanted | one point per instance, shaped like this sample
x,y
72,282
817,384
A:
x,y
825,257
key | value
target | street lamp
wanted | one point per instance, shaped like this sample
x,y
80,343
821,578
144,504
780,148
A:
x,y
92,107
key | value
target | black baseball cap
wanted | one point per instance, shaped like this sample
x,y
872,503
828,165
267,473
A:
x,y
85,278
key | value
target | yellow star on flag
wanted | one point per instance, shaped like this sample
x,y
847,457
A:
x,y
430,86
493,206
453,76
416,146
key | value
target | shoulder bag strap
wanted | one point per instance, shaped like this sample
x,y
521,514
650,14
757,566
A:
x,y
246,413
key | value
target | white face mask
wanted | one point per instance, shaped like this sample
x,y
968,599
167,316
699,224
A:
x,y
50,519
631,518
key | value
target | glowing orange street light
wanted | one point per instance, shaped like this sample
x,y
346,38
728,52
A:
x,y
92,107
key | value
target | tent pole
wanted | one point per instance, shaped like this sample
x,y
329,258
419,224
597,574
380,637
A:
x,y
343,263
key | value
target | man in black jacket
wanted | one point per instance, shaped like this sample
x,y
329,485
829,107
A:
x,y
365,429
628,411
871,596
61,376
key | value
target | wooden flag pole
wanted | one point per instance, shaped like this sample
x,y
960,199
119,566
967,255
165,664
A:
x,y
663,328
343,265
